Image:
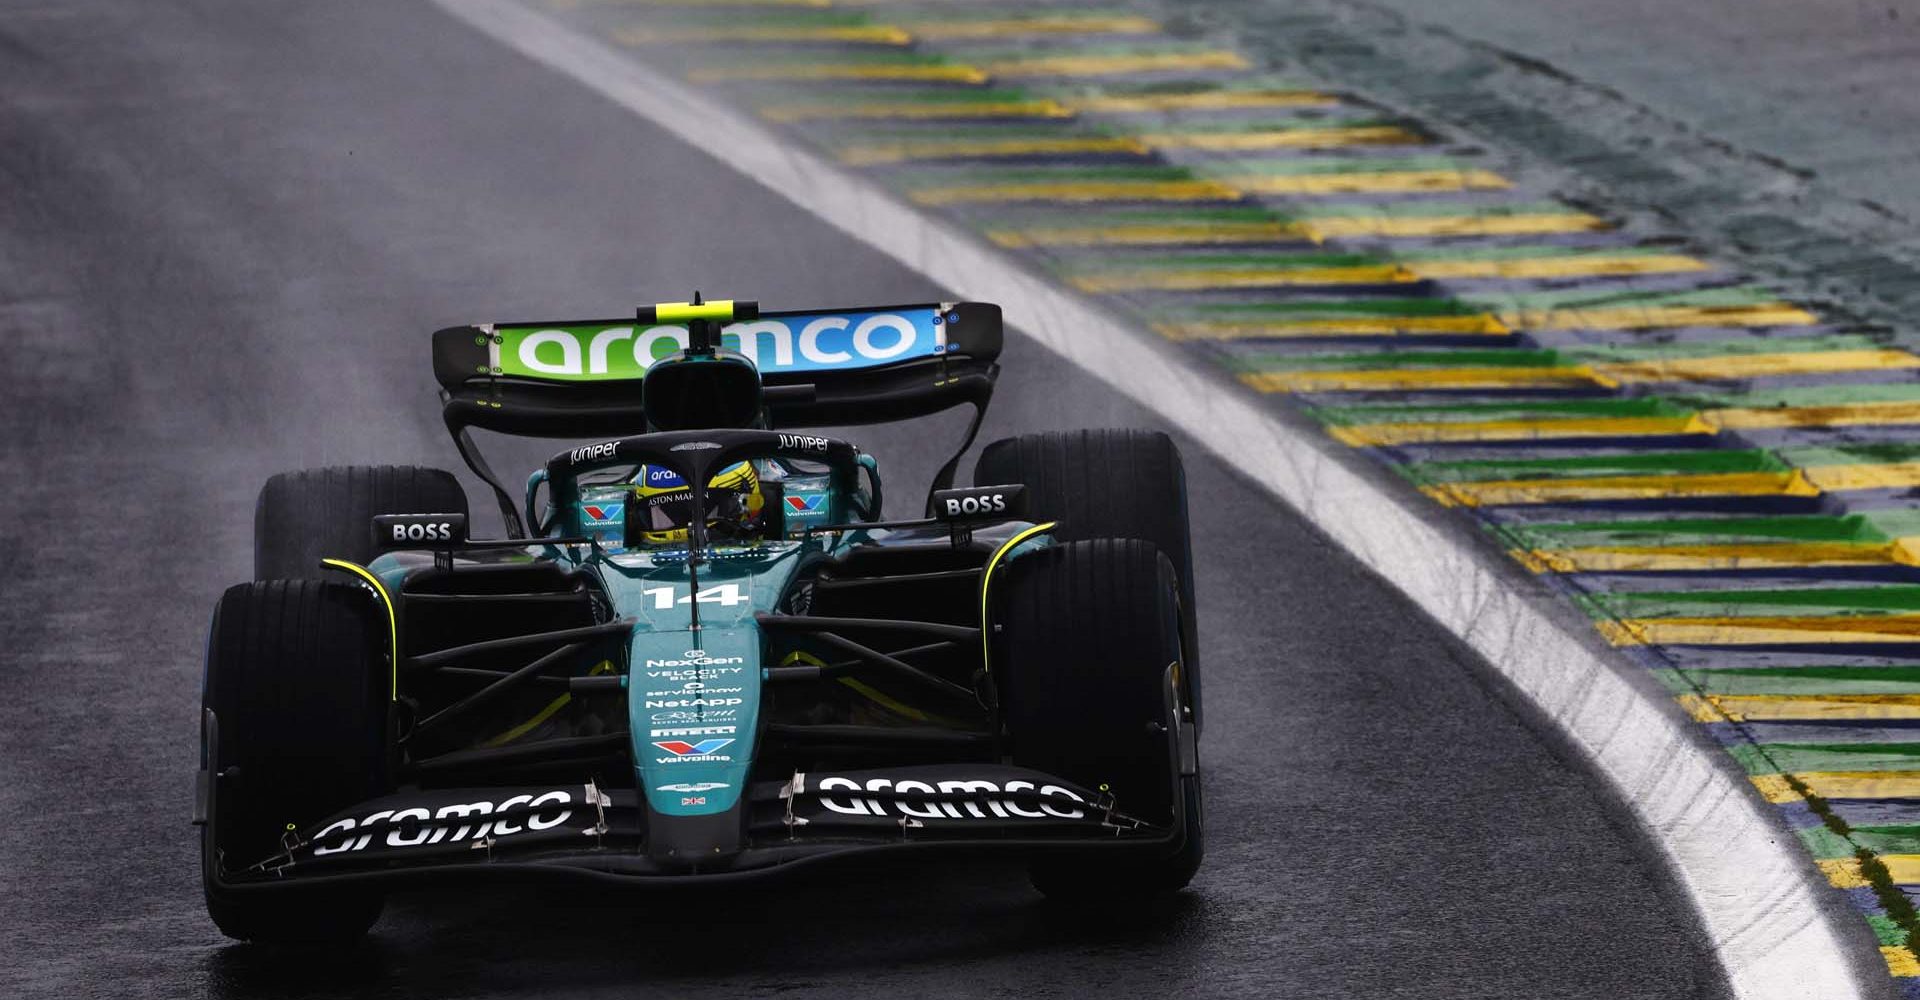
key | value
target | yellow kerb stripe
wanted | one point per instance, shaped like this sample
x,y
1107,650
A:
x,y
1380,274
1571,266
1077,191
871,72
1387,379
915,111
1901,475
1702,423
1021,26
868,34
1844,415
896,152
1371,182
1773,787
1434,432
1415,226
1343,326
1901,962
1770,630
1225,189
1724,558
1846,785
986,149
1744,366
1315,230
1655,317
1535,491
1151,234
1302,138
1197,279
1211,100
1115,64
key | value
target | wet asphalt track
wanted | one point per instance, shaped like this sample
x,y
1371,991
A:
x,y
225,231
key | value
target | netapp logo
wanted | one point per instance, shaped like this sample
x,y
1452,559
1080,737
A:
x,y
595,452
1064,803
802,442
417,826
692,702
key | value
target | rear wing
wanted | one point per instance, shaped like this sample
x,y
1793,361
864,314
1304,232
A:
x,y
582,378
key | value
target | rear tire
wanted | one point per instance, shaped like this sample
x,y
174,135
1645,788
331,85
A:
x,y
298,684
313,514
1107,484
1089,630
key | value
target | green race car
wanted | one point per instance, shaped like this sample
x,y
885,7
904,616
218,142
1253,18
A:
x,y
702,652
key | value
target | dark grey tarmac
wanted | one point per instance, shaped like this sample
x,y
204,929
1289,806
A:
x,y
225,231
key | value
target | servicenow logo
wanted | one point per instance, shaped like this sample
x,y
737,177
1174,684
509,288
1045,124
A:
x,y
794,343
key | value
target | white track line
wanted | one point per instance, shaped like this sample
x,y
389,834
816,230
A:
x,y
1752,887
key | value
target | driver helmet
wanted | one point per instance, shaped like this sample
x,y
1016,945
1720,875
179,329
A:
x,y
735,503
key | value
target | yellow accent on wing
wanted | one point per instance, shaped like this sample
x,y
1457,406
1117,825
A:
x,y
986,579
870,693
393,621
604,666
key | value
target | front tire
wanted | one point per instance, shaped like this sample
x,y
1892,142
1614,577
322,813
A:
x,y
297,683
313,514
1107,484
1090,629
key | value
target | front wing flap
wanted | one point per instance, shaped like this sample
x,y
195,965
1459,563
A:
x,y
588,829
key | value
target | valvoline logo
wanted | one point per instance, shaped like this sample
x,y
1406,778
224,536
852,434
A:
x,y
807,504
682,748
604,511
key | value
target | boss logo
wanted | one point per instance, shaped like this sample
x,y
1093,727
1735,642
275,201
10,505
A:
x,y
413,531
980,503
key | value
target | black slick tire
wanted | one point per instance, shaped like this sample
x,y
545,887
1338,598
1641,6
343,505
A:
x,y
1088,632
297,682
1112,483
311,514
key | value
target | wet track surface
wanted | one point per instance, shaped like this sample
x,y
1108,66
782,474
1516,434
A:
x,y
228,231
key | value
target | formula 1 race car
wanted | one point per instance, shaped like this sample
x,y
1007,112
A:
x,y
704,654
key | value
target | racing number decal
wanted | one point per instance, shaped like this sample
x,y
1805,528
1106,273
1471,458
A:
x,y
726,595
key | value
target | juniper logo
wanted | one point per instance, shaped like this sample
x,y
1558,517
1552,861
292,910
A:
x,y
795,343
